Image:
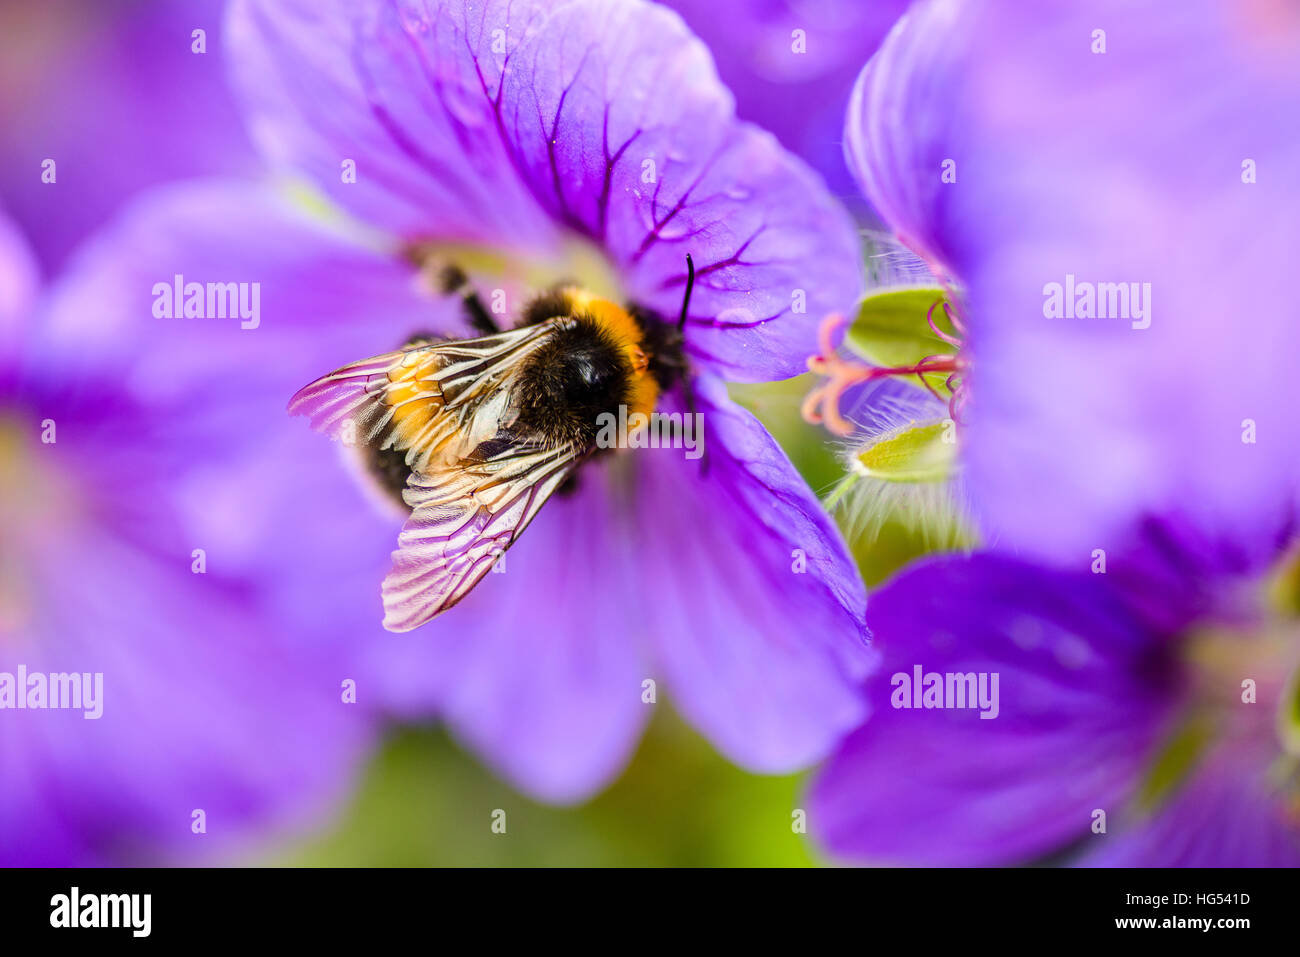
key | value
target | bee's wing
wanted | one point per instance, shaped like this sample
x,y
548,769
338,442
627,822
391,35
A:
x,y
464,517
436,402
474,484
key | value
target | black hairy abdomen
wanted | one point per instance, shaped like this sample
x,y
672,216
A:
x,y
569,381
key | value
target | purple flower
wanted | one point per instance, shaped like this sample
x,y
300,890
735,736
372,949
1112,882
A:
x,y
151,707
1140,717
1108,194
589,141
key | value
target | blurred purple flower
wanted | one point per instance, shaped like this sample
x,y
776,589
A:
x,y
113,92
1123,693
570,140
1121,144
203,704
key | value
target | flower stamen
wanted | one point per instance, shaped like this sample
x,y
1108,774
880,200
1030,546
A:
x,y
822,404
929,318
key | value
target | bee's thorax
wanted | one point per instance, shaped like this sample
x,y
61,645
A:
x,y
568,382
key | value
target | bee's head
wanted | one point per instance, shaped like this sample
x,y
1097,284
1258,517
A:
x,y
582,370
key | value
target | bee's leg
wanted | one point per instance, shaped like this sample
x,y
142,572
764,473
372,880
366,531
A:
x,y
454,282
570,485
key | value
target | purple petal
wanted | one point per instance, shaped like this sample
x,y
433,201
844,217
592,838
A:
x,y
1227,814
619,124
1082,697
1100,166
792,66
775,254
537,668
324,296
753,604
201,710
403,97
897,130
19,283
519,126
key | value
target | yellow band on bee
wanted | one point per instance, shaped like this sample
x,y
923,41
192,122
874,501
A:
x,y
619,324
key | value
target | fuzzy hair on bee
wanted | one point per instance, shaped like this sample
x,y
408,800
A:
x,y
475,435
564,387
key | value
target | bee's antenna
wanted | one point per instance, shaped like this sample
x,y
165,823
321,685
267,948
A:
x,y
690,284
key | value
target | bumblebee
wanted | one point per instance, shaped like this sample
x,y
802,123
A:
x,y
476,434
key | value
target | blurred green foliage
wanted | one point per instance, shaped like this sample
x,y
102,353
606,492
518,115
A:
x,y
426,802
